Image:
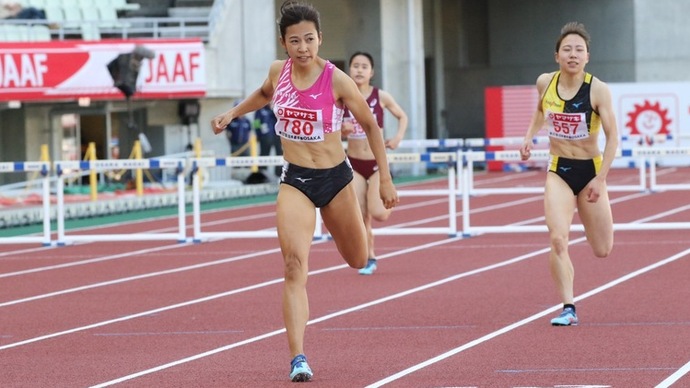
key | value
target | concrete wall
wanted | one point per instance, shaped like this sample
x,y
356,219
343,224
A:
x,y
662,37
511,43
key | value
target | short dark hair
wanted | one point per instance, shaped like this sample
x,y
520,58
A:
x,y
293,12
365,54
573,28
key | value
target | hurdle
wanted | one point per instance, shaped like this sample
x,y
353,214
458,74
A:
x,y
448,158
451,160
231,161
44,169
536,155
653,154
453,144
106,165
642,153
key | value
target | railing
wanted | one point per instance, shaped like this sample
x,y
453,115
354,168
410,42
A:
x,y
91,29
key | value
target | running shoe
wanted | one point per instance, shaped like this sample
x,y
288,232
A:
x,y
567,318
370,268
300,371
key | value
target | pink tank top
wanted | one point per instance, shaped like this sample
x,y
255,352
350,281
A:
x,y
306,115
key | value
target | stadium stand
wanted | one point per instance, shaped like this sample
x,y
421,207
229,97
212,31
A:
x,y
96,19
24,32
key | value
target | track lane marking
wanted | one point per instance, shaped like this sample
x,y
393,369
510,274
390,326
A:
x,y
212,297
376,302
169,247
685,369
200,300
331,316
527,320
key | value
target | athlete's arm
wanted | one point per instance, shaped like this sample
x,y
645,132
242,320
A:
x,y
255,101
602,104
388,102
537,118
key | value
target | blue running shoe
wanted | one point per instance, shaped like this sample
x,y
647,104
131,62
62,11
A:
x,y
567,318
299,369
370,268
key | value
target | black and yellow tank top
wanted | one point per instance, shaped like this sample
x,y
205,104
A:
x,y
574,119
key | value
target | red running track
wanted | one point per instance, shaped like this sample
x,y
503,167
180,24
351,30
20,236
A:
x,y
439,312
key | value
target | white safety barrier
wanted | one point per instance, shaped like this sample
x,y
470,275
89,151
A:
x,y
536,155
458,157
517,140
239,161
642,153
106,165
653,184
449,158
44,169
441,145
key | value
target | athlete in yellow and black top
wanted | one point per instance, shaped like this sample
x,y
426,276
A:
x,y
574,106
574,119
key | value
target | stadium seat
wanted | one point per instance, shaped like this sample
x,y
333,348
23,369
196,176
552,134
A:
x,y
90,14
39,33
72,16
54,14
69,4
90,31
118,5
108,16
15,33
90,26
40,4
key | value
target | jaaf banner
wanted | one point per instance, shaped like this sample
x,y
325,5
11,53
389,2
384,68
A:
x,y
49,71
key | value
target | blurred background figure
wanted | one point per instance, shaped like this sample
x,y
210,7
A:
x,y
238,132
14,10
264,125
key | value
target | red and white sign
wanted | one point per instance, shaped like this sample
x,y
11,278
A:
x,y
68,70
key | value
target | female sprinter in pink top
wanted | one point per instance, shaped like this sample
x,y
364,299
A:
x,y
360,154
308,94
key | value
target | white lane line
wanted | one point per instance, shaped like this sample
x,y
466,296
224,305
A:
x,y
178,245
139,277
53,335
337,313
166,272
207,298
90,261
685,369
525,321
183,304
138,315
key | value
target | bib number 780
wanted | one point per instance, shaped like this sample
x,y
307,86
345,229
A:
x,y
298,127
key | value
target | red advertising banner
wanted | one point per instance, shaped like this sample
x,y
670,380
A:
x,y
68,70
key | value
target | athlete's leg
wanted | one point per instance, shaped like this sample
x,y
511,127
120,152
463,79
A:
x,y
296,218
361,188
370,236
598,222
559,207
343,219
374,202
375,209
